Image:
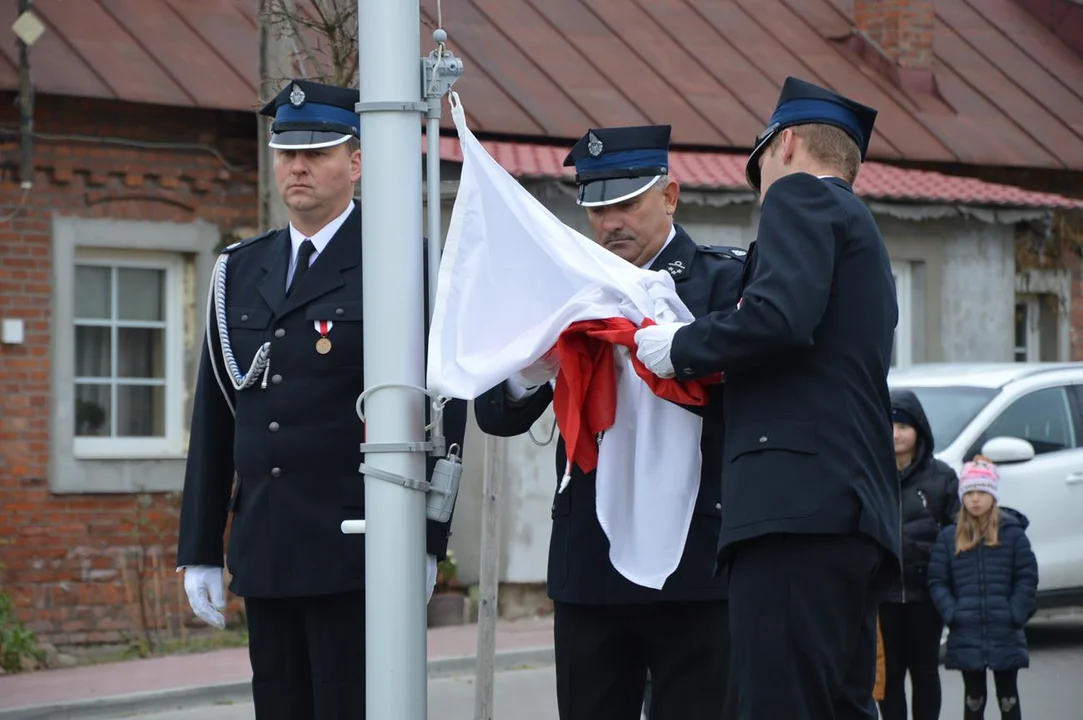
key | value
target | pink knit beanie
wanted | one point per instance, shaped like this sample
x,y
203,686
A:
x,y
979,474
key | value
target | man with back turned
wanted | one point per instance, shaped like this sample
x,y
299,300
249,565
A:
x,y
809,496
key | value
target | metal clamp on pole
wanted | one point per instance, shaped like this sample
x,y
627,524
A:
x,y
395,479
443,488
390,107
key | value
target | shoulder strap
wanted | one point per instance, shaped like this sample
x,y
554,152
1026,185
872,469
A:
x,y
248,241
728,251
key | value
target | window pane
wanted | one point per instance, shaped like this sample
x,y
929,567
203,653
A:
x,y
140,411
1042,418
139,294
1048,328
140,353
92,292
1021,332
92,410
93,351
950,409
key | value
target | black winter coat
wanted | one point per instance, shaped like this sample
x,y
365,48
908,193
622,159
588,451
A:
x,y
928,501
986,595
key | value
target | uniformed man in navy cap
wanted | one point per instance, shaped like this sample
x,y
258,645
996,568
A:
x,y
275,404
809,495
609,632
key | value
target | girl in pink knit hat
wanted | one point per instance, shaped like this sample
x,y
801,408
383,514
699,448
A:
x,y
983,577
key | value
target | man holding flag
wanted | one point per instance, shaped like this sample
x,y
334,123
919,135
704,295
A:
x,y
609,631
810,492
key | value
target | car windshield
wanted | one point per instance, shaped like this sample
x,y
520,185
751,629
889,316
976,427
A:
x,y
949,409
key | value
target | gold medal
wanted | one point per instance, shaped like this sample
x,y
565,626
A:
x,y
323,345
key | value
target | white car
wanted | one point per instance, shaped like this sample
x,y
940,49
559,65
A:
x,y
1028,418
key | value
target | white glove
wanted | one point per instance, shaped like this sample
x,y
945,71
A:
x,y
540,371
533,376
430,575
206,593
653,345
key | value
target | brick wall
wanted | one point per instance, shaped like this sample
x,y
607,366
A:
x,y
902,29
76,566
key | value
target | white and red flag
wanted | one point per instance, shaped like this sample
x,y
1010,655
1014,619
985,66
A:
x,y
514,282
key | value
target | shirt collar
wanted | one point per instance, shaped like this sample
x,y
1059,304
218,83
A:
x,y
669,239
321,238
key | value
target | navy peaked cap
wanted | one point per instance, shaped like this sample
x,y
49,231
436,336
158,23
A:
x,y
618,163
310,115
802,103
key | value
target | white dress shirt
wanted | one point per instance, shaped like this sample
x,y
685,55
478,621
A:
x,y
319,240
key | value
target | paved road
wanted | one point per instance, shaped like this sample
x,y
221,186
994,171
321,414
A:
x,y
1052,689
526,694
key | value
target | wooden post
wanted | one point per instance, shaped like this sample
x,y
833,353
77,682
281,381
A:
x,y
492,478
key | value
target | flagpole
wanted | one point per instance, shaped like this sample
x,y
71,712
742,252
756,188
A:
x,y
391,258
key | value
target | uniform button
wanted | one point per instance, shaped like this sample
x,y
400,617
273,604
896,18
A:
x,y
276,472
339,311
273,427
688,371
763,438
244,318
276,379
718,506
279,332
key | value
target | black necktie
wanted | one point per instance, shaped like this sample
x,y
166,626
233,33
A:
x,y
304,253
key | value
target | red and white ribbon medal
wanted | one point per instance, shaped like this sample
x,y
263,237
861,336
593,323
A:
x,y
323,345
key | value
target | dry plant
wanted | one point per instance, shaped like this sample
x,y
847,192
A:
x,y
322,37
146,575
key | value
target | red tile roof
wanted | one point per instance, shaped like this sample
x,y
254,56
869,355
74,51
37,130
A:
x,y
726,172
1009,90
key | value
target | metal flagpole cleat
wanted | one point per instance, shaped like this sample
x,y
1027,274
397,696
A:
x,y
444,486
441,490
439,71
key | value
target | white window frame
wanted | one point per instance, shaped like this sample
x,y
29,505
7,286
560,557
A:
x,y
904,336
1033,345
171,445
193,244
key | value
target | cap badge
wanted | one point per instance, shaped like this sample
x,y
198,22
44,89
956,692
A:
x,y
594,145
297,96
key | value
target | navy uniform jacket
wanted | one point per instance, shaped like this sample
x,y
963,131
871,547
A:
x,y
579,568
293,445
808,416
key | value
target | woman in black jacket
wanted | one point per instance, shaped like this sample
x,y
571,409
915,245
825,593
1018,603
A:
x,y
909,622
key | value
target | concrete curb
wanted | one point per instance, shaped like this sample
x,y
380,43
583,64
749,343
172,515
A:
x,y
106,708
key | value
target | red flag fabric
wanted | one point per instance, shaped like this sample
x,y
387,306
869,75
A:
x,y
585,396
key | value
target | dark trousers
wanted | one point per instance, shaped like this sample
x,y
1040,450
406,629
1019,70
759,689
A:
x,y
603,654
974,690
911,633
803,622
308,657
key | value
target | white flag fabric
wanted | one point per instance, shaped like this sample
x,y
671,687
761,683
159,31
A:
x,y
512,278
